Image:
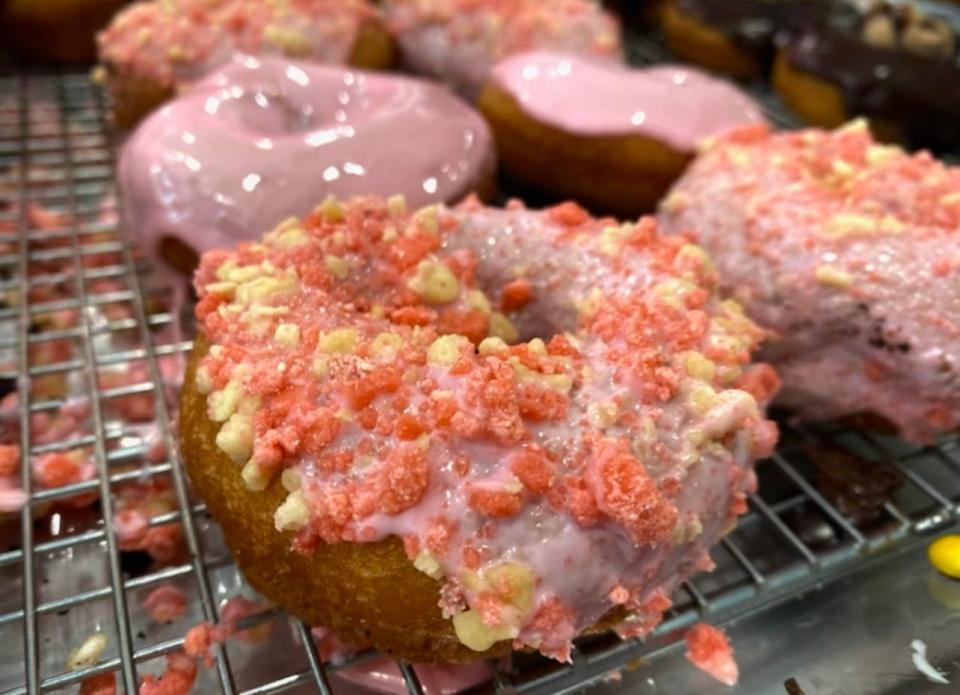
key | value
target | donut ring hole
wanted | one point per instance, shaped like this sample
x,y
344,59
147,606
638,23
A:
x,y
293,105
265,111
552,308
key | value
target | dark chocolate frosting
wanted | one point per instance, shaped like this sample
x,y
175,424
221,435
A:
x,y
858,488
920,94
757,26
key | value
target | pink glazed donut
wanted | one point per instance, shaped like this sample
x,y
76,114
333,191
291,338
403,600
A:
x,y
263,139
459,41
450,431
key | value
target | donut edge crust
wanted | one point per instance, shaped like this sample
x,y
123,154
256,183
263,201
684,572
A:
x,y
134,96
701,44
820,102
816,101
626,175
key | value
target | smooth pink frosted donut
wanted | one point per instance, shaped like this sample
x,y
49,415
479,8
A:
x,y
677,105
265,138
459,41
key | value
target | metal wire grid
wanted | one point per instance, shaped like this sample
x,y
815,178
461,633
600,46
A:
x,y
771,555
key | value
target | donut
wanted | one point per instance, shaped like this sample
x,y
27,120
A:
x,y
55,31
154,47
736,38
393,453
892,64
845,249
264,138
459,41
612,137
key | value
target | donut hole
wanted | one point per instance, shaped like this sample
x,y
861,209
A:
x,y
267,110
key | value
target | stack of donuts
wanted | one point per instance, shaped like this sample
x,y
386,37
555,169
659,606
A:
x,y
448,429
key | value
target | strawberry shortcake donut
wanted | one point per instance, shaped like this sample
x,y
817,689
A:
x,y
452,431
847,250
155,47
459,41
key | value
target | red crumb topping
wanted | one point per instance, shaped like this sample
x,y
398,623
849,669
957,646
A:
x,y
626,492
709,650
9,459
534,470
504,27
102,684
165,604
516,294
494,502
58,469
177,678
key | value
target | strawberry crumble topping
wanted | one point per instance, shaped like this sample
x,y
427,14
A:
x,y
459,41
709,650
578,446
167,41
846,250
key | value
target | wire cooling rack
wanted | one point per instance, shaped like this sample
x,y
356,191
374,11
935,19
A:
x,y
67,576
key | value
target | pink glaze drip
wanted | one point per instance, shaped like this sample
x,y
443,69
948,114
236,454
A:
x,y
675,104
263,139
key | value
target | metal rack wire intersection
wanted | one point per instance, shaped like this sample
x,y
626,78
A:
x,y
791,539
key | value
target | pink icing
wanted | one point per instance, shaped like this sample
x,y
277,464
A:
x,y
671,103
266,138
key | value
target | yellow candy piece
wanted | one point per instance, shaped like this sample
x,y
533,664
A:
x,y
944,554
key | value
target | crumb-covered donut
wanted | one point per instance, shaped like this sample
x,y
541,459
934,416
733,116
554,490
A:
x,y
264,138
847,250
610,136
55,31
385,463
892,64
738,37
459,41
155,46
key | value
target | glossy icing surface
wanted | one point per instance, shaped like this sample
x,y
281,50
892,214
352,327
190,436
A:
x,y
675,104
263,139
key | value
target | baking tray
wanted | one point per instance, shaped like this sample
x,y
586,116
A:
x,y
66,578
